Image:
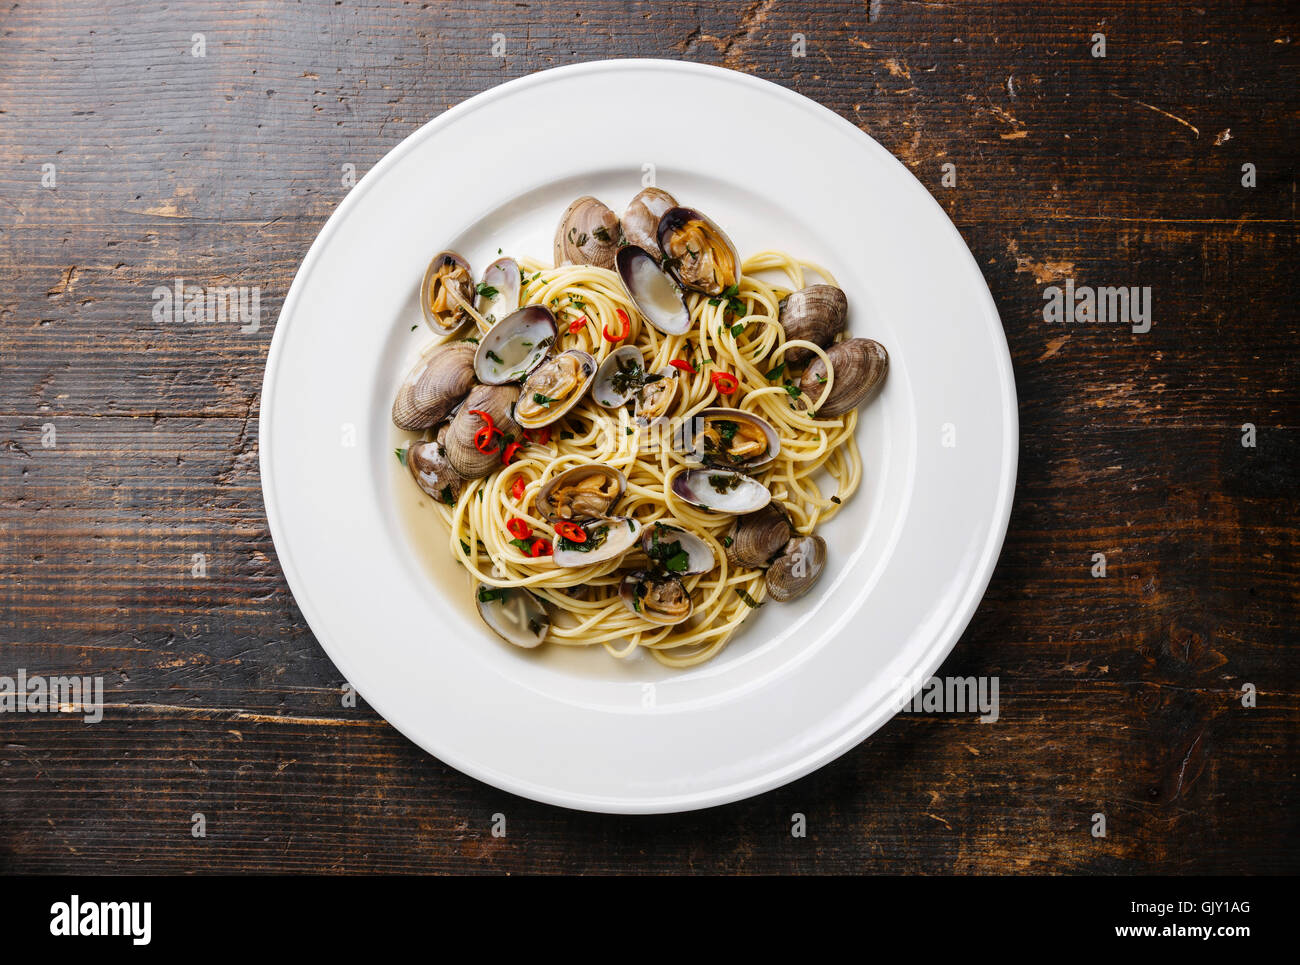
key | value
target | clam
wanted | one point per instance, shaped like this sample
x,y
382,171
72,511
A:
x,y
758,537
432,472
860,367
606,538
697,252
514,614
446,289
814,314
732,438
583,492
515,346
498,293
658,598
620,377
656,397
433,387
798,567
463,452
554,388
654,292
721,491
641,219
677,550
588,234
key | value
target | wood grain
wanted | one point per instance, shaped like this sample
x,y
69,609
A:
x,y
1119,695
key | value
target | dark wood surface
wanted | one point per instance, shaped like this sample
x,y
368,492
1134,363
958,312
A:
x,y
1119,695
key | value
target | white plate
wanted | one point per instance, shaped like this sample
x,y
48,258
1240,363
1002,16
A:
x,y
802,683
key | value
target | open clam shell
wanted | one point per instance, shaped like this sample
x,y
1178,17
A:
x,y
620,377
677,550
498,293
607,538
697,252
553,388
515,346
656,598
583,492
656,398
721,491
446,288
654,292
731,438
514,614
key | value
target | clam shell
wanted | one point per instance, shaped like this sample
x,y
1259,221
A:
x,y
710,267
658,538
641,219
588,234
640,590
655,293
698,439
721,491
814,314
589,505
433,387
432,472
515,346
497,401
610,537
800,565
655,398
757,538
514,614
503,276
619,377
446,268
860,364
532,414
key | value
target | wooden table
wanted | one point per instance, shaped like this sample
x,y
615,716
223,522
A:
x,y
1121,695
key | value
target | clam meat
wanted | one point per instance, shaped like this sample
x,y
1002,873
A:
x,y
733,438
657,598
583,492
446,289
697,252
554,388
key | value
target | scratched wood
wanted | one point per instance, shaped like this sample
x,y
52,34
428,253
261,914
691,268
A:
x,y
1119,695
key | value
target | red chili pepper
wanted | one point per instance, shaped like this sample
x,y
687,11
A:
x,y
543,435
684,365
540,547
510,453
519,528
577,325
483,440
627,327
486,417
572,532
724,382
517,490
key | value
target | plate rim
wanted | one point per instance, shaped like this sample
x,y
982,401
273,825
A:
x,y
861,728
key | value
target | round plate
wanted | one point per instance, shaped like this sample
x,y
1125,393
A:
x,y
802,683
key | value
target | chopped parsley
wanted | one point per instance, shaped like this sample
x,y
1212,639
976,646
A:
x,y
495,358
543,400
793,391
600,232
734,305
464,547
487,291
444,494
488,594
724,483
776,373
401,455
749,600
836,500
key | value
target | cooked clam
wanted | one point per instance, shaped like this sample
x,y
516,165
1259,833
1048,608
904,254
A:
x,y
446,289
583,492
654,292
498,293
656,397
758,537
732,438
433,387
432,472
603,539
554,388
588,234
721,490
641,219
799,566
860,367
514,614
620,377
472,451
697,252
658,598
814,314
515,346
677,550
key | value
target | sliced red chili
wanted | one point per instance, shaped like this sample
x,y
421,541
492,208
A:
x,y
577,325
509,453
486,417
627,327
519,528
572,532
540,547
540,436
724,382
684,365
483,440
517,490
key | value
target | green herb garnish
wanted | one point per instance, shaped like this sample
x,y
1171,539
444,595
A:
x,y
401,455
544,400
487,291
749,600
